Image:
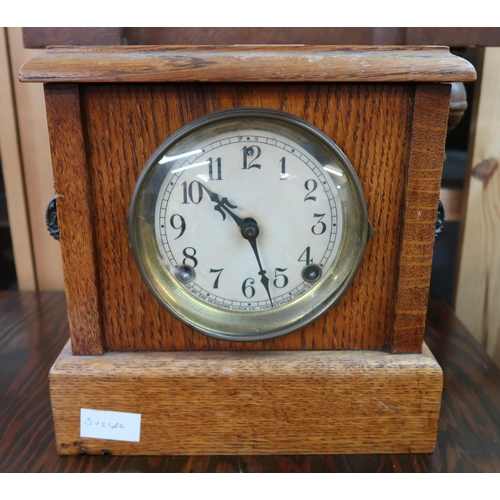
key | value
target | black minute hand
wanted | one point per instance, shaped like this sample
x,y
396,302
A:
x,y
253,243
249,230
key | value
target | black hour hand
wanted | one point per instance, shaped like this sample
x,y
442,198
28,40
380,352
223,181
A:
x,y
220,203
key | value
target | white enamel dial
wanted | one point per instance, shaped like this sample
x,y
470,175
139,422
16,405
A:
x,y
248,224
270,179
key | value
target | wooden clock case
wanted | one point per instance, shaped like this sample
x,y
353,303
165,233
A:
x,y
357,380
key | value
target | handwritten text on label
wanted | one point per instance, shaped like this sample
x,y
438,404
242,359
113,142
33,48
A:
x,y
113,425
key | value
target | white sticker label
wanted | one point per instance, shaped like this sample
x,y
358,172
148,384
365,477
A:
x,y
114,425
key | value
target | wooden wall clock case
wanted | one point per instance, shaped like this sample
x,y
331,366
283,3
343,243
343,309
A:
x,y
357,380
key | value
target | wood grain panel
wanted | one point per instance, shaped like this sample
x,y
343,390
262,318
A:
x,y
248,64
369,122
420,211
75,217
199,403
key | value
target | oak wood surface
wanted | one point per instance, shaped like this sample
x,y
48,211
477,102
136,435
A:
x,y
75,217
34,329
247,64
421,188
227,403
390,132
140,117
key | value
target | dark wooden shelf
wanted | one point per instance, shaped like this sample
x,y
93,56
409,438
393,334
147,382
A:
x,y
452,37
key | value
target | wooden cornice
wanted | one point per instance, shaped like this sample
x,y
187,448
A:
x,y
255,63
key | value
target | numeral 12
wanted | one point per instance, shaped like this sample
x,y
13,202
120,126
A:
x,y
250,151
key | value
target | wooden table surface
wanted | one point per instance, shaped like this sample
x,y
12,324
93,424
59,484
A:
x,y
33,330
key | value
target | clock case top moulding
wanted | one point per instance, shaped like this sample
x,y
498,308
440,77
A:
x,y
108,109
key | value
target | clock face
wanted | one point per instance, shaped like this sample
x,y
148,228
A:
x,y
248,224
253,181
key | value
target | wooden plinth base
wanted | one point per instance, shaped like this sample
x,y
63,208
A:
x,y
233,403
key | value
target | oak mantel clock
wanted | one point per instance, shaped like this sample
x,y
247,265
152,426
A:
x,y
247,236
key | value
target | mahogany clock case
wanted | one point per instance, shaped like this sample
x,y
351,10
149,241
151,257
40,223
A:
x,y
104,125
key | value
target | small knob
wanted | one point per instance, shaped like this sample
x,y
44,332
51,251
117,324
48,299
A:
x,y
440,218
458,104
51,219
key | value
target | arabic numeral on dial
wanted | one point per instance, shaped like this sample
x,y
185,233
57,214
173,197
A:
x,y
320,226
280,277
247,289
311,186
284,175
181,225
211,170
250,154
189,193
218,271
305,256
190,257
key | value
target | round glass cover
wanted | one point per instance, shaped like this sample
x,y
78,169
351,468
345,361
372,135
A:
x,y
248,224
